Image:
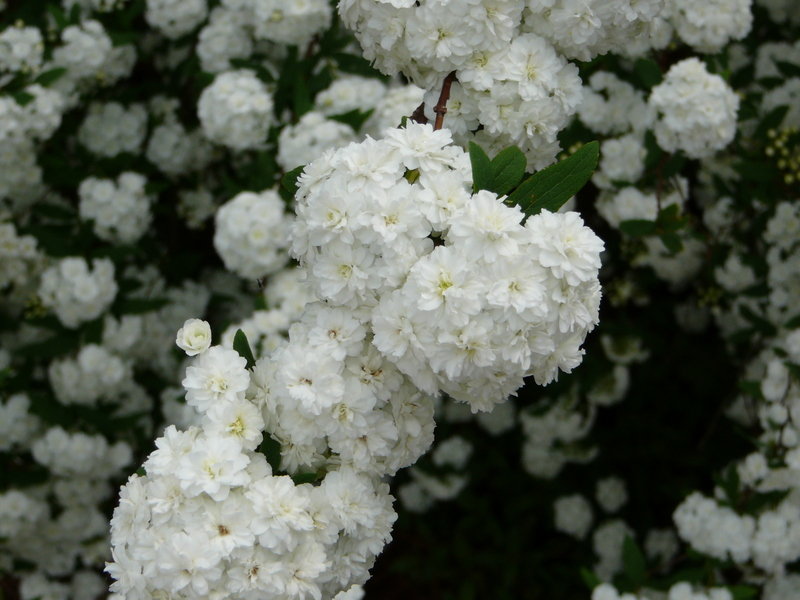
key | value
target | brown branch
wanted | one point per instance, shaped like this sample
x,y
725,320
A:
x,y
441,107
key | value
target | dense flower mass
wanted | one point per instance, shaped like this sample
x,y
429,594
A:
x,y
696,110
236,110
332,253
490,302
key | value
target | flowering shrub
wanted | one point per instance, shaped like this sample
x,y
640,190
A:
x,y
506,282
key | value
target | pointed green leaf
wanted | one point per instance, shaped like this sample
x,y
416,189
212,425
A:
x,y
589,578
481,168
634,562
672,242
23,97
242,346
58,15
289,181
508,169
50,76
550,188
271,449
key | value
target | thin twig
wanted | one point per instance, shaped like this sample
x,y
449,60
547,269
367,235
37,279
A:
x,y
441,107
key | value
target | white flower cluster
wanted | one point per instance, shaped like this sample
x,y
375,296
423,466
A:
x,y
175,18
490,303
88,54
21,49
350,93
696,110
120,212
94,374
236,110
77,293
80,454
291,23
573,515
611,106
511,81
303,142
110,128
268,330
315,132
237,27
20,128
621,161
678,591
553,438
17,424
18,256
583,29
176,151
708,26
630,203
771,541
211,518
251,234
443,480
222,39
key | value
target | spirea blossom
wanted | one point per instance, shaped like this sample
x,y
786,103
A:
x,y
494,302
234,526
76,292
696,110
119,211
236,110
250,234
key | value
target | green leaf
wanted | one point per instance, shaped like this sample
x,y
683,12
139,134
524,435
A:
x,y
23,97
788,69
301,99
482,175
75,14
672,242
669,218
301,478
793,323
508,169
634,562
271,449
550,188
637,227
242,346
58,15
648,72
289,181
50,76
742,592
729,482
589,578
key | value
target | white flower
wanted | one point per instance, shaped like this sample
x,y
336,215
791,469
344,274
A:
x,y
194,337
569,249
216,375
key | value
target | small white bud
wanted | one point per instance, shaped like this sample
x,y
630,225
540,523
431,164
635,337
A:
x,y
194,337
